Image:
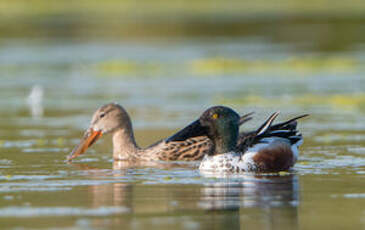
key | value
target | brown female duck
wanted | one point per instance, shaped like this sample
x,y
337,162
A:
x,y
113,118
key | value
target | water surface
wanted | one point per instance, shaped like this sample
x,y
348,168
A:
x,y
165,86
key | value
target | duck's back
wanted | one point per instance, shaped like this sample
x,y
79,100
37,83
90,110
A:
x,y
191,149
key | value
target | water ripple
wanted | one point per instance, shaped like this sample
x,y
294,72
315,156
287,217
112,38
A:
x,y
59,211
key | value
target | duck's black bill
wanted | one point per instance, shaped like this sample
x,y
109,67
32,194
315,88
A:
x,y
195,129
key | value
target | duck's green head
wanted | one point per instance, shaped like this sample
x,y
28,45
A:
x,y
219,123
222,126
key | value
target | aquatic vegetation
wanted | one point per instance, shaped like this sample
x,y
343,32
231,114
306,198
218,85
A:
x,y
130,68
230,66
335,101
303,65
284,173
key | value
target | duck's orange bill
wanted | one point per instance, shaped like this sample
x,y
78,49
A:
x,y
89,138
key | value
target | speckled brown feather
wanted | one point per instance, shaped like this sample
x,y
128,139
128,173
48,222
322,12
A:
x,y
192,149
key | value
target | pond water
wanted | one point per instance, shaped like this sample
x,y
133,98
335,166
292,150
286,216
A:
x,y
49,90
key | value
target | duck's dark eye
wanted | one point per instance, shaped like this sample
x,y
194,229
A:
x,y
102,115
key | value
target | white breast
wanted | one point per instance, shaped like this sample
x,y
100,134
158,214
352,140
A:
x,y
228,162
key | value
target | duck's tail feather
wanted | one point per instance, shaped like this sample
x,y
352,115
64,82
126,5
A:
x,y
286,130
288,125
245,118
265,127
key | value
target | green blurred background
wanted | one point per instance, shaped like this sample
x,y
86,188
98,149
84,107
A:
x,y
325,25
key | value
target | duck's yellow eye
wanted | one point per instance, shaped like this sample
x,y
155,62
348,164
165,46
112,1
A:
x,y
215,116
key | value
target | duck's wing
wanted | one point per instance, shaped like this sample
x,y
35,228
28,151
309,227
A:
x,y
286,130
188,144
191,149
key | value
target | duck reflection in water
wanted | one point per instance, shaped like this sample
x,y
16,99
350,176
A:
x,y
246,200
251,191
261,201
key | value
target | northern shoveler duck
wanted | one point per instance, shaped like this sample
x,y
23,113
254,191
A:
x,y
113,118
270,148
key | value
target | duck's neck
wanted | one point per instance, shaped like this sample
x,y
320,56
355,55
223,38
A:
x,y
124,144
224,143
